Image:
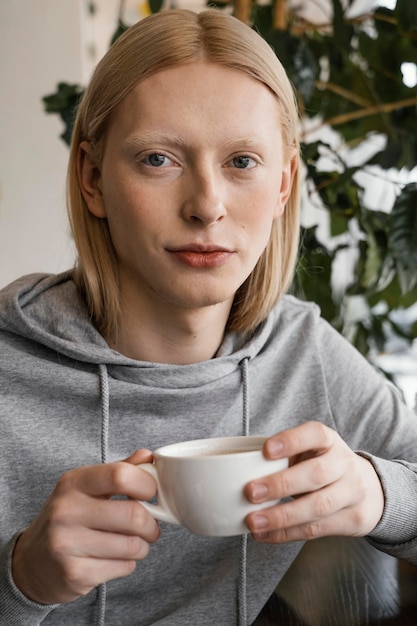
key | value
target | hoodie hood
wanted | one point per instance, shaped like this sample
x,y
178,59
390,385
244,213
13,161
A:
x,y
49,310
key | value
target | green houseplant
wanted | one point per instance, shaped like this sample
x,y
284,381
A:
x,y
348,78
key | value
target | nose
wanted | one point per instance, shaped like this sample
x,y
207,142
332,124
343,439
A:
x,y
204,201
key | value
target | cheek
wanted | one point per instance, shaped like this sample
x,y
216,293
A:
x,y
123,206
261,213
262,221
122,221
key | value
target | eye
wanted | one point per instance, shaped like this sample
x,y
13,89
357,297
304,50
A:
x,y
243,162
157,160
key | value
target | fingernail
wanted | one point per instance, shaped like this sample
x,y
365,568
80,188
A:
x,y
259,522
261,536
259,491
275,448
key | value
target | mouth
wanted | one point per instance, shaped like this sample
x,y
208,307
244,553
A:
x,y
200,248
202,256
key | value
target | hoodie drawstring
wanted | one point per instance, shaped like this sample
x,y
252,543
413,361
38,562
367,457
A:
x,y
105,412
245,393
241,593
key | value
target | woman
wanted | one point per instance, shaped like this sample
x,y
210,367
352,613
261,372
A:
x,y
183,201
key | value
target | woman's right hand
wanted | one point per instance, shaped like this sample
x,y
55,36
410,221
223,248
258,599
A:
x,y
81,537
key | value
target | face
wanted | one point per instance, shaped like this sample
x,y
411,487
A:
x,y
192,178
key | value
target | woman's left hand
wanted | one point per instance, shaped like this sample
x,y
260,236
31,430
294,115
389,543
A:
x,y
335,491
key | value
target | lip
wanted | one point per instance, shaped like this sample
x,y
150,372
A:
x,y
199,247
201,256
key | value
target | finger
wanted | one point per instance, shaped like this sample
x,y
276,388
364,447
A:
x,y
307,509
306,476
86,543
311,436
341,523
101,571
127,517
80,577
108,480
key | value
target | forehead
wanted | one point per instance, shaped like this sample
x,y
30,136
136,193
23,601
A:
x,y
200,94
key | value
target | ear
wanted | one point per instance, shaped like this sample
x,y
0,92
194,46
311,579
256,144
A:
x,y
89,179
287,179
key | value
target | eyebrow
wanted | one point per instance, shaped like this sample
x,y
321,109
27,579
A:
x,y
149,137
246,142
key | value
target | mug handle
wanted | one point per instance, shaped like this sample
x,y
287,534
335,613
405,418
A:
x,y
159,511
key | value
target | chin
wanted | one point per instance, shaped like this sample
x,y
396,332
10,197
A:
x,y
203,301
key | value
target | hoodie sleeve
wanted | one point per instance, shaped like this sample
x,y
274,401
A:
x,y
396,532
370,416
15,608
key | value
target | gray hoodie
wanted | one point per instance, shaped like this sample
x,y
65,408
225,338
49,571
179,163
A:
x,y
68,400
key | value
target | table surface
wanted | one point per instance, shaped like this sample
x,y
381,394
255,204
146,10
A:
x,y
340,581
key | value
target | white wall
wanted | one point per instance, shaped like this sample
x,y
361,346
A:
x,y
39,45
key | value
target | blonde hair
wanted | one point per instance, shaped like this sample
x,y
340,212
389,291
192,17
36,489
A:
x,y
160,41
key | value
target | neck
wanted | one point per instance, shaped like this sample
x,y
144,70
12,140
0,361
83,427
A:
x,y
175,336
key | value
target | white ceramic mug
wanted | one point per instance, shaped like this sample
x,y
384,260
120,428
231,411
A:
x,y
201,483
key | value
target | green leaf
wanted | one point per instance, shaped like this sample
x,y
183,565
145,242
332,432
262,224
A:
x,y
373,262
66,94
406,12
360,338
377,331
262,19
121,28
155,5
405,332
403,228
393,295
313,280
342,31
407,278
338,224
64,102
298,60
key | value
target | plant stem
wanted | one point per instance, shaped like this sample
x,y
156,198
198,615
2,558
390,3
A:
x,y
121,10
373,110
280,15
242,10
347,95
